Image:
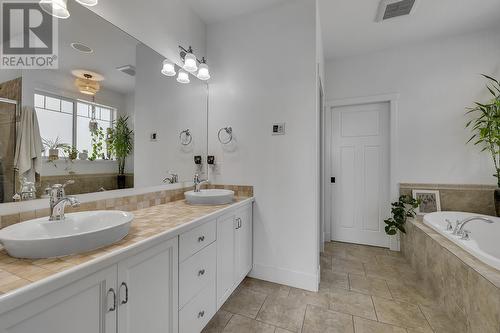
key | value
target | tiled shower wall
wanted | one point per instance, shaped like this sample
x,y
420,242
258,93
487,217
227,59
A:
x,y
463,198
125,203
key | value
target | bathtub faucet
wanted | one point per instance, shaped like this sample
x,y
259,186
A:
x,y
459,228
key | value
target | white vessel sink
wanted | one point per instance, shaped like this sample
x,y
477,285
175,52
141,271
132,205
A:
x,y
79,232
210,197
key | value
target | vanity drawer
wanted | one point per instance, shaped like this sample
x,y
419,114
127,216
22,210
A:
x,y
198,312
196,273
194,240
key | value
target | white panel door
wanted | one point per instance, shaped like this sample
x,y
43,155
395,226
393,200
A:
x,y
226,257
244,241
85,306
148,290
360,164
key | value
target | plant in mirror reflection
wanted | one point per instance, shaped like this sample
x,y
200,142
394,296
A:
x,y
485,125
121,142
401,210
97,139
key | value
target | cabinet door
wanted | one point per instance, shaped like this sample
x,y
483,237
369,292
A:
x,y
244,242
84,306
148,290
226,258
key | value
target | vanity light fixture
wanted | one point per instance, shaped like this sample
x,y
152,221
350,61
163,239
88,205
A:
x,y
168,68
89,3
190,61
203,72
183,77
59,8
56,8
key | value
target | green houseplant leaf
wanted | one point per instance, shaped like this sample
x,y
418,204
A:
x,y
401,210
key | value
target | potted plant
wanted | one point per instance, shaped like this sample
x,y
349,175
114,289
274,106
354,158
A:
x,y
97,137
53,147
121,141
401,210
486,129
71,152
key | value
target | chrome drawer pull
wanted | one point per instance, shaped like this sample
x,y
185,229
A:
x,y
201,239
201,314
112,291
201,272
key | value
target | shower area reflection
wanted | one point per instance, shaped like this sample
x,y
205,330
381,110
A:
x,y
8,116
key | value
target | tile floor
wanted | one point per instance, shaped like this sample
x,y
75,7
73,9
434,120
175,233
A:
x,y
363,289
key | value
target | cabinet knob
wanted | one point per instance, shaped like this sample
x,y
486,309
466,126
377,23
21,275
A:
x,y
201,313
201,272
201,239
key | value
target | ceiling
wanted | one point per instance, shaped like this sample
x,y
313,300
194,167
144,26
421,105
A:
x,y
211,11
112,48
349,27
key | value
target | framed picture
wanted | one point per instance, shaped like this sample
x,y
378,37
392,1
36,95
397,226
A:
x,y
429,201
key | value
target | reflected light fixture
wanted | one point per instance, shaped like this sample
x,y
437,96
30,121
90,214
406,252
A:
x,y
168,68
190,62
183,77
56,8
203,72
87,85
89,3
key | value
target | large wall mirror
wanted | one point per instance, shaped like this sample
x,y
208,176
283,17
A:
x,y
108,84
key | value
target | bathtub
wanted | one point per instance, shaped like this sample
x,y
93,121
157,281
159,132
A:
x,y
484,242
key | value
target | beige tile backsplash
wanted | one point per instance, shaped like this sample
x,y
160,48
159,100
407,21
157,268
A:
x,y
128,203
464,198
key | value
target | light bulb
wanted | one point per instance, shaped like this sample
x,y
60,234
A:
x,y
89,3
56,8
168,68
190,63
183,77
203,72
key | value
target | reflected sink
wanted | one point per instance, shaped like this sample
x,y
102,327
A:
x,y
79,232
210,197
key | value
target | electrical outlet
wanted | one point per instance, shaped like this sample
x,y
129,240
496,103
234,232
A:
x,y
279,129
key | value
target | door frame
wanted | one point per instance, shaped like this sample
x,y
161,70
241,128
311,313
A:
x,y
392,99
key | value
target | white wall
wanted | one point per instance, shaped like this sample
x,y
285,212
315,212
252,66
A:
x,y
160,24
264,71
436,82
164,106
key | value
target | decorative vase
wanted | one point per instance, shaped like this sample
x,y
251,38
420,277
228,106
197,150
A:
x,y
395,242
497,201
120,181
83,155
53,154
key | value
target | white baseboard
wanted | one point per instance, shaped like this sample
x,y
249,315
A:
x,y
287,277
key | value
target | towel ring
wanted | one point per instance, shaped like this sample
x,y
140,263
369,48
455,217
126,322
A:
x,y
229,132
185,137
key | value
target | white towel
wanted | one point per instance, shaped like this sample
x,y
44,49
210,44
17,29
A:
x,y
29,144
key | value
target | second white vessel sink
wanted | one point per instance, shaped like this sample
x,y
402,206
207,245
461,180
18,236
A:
x,y
77,233
210,197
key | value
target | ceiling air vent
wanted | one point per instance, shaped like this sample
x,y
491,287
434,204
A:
x,y
127,69
393,8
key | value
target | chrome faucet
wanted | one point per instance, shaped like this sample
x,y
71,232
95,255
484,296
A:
x,y
197,182
459,228
58,201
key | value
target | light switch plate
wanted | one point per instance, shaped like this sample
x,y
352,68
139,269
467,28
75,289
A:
x,y
278,129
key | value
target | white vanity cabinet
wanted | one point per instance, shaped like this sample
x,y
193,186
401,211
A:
x,y
139,294
234,250
173,284
84,306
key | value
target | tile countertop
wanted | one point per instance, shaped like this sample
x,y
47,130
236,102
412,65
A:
x,y
163,221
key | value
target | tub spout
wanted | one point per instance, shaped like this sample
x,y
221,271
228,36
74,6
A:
x,y
459,228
